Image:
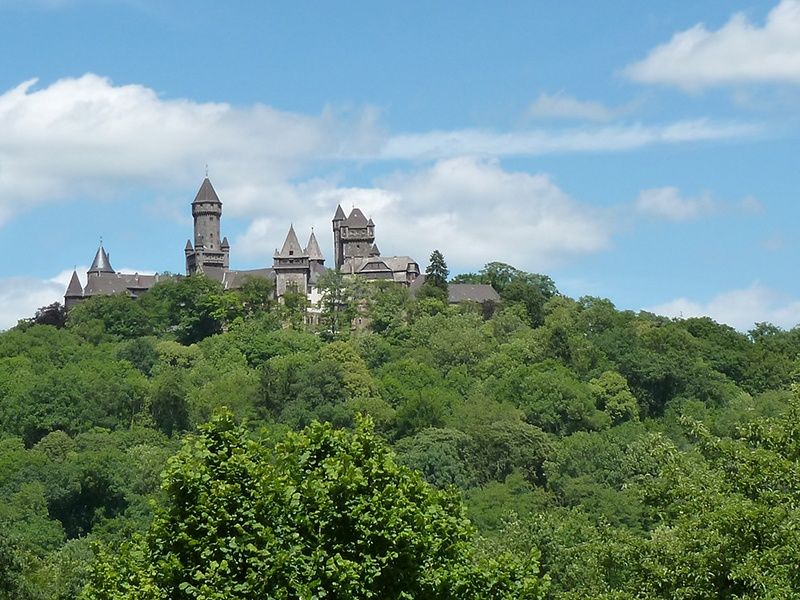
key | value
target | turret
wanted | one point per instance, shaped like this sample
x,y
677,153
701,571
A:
x,y
338,259
291,266
74,293
101,263
209,250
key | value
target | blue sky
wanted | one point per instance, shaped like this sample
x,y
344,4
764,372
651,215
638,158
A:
x,y
644,152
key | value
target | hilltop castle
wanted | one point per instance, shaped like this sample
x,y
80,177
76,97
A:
x,y
294,267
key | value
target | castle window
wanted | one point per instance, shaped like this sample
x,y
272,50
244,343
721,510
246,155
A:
x,y
291,252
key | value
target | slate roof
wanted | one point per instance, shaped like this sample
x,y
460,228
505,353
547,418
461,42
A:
x,y
74,288
356,219
117,283
463,292
291,247
339,216
234,279
206,193
398,266
471,292
312,249
101,262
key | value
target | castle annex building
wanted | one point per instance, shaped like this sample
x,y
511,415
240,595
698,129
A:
x,y
294,267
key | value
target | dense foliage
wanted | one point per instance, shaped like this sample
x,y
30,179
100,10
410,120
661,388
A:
x,y
637,456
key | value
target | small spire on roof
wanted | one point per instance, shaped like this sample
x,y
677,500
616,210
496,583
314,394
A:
x,y
312,248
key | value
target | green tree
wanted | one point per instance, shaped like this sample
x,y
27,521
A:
x,y
338,304
325,513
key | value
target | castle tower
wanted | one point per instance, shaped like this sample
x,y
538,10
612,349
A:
x,y
210,253
338,259
313,250
101,263
74,293
291,266
354,237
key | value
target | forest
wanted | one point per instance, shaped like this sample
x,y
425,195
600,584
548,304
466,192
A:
x,y
203,443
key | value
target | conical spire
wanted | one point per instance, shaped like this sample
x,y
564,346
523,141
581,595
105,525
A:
x,y
101,262
225,243
291,247
206,193
339,216
312,249
74,289
189,245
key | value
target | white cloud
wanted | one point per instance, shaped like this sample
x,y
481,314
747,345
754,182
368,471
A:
x,y
667,203
21,296
738,52
471,209
564,106
447,144
86,136
739,308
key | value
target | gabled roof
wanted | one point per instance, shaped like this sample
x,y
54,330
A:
x,y
356,219
101,262
312,248
291,247
339,216
74,288
206,193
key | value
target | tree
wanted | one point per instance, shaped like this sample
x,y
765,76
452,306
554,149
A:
x,y
436,275
53,314
338,304
324,514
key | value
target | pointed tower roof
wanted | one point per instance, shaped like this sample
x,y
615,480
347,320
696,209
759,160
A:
x,y
291,247
206,193
339,216
188,245
356,219
370,222
101,262
225,243
375,251
312,249
74,288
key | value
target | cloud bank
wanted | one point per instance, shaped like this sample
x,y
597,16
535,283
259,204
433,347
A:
x,y
740,309
739,52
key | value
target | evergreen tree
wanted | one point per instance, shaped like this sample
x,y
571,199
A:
x,y
437,272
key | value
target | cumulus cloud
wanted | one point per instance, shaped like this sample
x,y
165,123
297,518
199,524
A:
x,y
87,136
564,106
667,203
21,296
740,309
471,209
738,52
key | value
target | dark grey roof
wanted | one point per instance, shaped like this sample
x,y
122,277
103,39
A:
x,y
101,262
356,219
374,251
312,248
117,283
225,243
339,216
462,292
74,288
291,247
206,193
471,292
188,245
316,270
213,272
233,279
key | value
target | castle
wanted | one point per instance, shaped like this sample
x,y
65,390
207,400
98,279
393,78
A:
x,y
294,267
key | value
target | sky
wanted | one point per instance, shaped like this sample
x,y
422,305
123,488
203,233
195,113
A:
x,y
646,152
